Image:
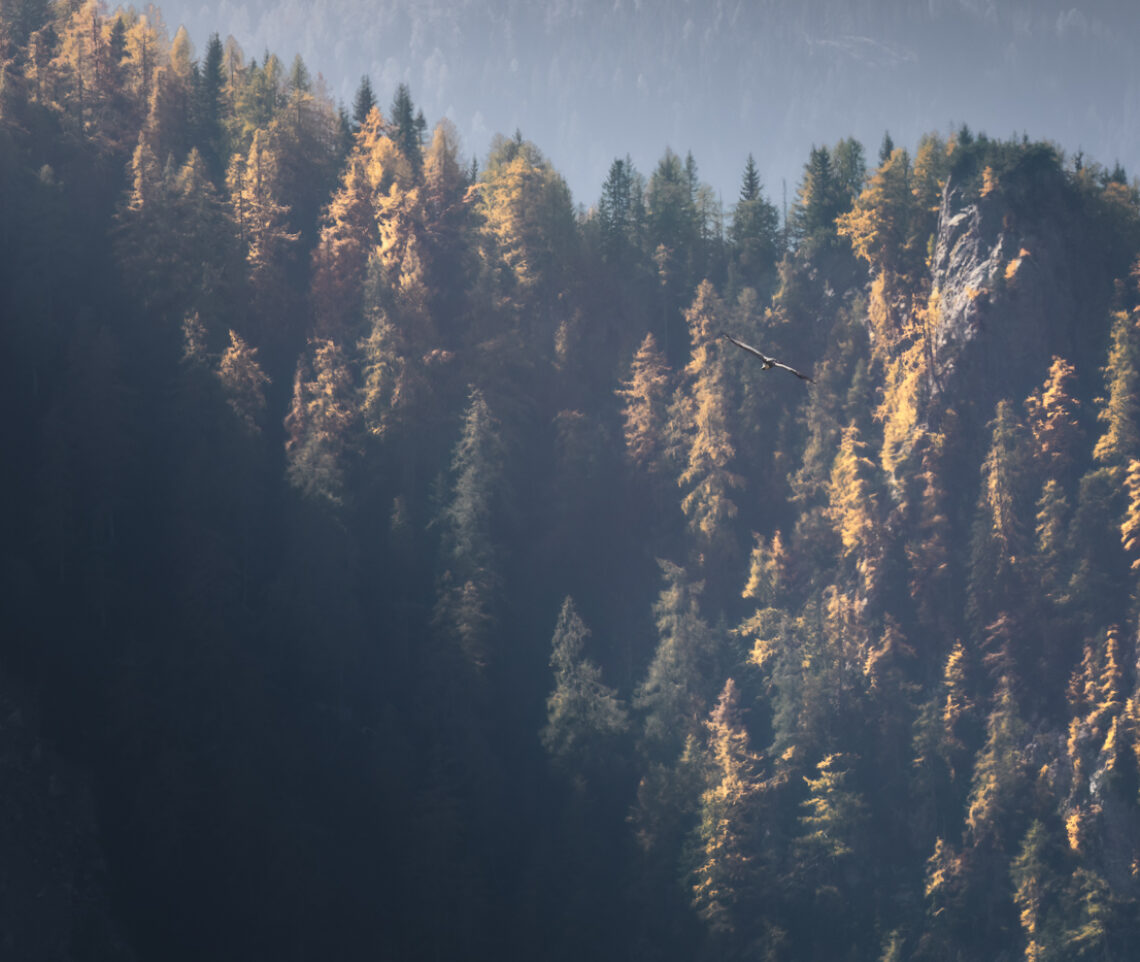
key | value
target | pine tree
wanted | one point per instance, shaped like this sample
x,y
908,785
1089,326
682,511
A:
x,y
583,715
244,383
644,410
209,111
1001,541
820,200
833,820
351,233
677,689
754,234
407,132
1120,412
671,226
469,584
362,103
728,837
621,212
321,425
999,780
855,508
1053,559
701,418
1053,420
767,571
886,148
1130,526
529,222
1037,893
886,225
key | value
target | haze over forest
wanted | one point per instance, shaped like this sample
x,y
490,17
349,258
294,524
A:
x,y
398,563
591,80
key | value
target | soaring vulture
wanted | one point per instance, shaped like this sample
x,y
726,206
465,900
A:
x,y
768,362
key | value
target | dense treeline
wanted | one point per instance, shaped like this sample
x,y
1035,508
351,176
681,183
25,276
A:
x,y
417,573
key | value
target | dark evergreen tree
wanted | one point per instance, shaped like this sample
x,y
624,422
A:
x,y
407,128
754,235
363,103
210,111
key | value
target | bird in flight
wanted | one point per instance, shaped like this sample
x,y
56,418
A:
x,y
769,362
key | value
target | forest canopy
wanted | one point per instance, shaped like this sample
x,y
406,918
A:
x,y
407,568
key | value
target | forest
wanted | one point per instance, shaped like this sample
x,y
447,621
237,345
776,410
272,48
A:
x,y
399,564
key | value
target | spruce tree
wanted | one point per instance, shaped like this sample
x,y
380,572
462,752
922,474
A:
x,y
583,715
363,103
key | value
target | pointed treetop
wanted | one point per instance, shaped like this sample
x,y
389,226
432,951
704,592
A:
x,y
365,100
182,53
886,148
750,186
299,78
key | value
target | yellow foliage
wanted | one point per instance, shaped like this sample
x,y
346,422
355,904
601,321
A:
x,y
1121,410
644,408
1074,825
767,569
904,379
941,868
1130,526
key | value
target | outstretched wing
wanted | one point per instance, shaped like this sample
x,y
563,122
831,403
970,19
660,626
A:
x,y
768,361
747,347
802,377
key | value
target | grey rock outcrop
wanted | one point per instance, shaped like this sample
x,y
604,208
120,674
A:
x,y
1009,300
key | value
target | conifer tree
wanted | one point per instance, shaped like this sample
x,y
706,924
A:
x,y
999,778
1121,410
621,212
1053,559
146,51
671,225
321,425
300,80
727,859
754,234
469,583
388,377
407,132
447,238
644,410
885,225
1037,894
351,233
931,170
259,216
1130,526
677,689
832,823
820,199
1053,420
244,383
209,110
529,220
701,418
583,715
1001,540
944,735
767,571
362,103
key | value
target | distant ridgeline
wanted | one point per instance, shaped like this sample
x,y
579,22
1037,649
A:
x,y
408,568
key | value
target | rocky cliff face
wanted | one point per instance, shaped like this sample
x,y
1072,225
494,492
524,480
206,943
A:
x,y
1017,282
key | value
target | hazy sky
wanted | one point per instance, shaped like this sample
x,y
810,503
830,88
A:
x,y
591,80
